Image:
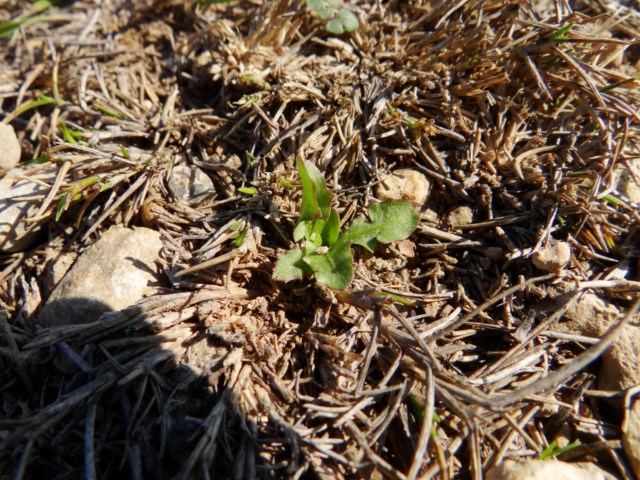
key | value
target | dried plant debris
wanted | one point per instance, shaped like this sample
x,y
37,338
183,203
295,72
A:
x,y
453,351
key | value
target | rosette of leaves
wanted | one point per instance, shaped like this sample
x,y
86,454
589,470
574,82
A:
x,y
322,252
339,18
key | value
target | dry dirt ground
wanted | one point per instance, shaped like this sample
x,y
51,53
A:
x,y
522,116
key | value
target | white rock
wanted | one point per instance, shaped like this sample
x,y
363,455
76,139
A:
x,y
409,185
462,215
553,257
190,185
590,316
546,470
17,202
620,371
10,149
114,273
625,182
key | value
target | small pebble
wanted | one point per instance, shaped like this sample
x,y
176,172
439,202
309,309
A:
x,y
190,185
409,185
462,215
553,257
10,149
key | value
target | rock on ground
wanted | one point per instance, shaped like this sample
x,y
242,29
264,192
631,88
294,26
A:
x,y
553,257
10,149
591,316
631,435
114,273
619,371
625,182
409,185
462,215
17,202
547,470
190,185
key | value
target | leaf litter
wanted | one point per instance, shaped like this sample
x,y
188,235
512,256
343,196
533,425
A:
x,y
441,359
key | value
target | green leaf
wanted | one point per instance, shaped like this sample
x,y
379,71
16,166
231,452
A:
x,y
309,209
300,231
553,450
316,198
290,266
323,195
349,20
66,134
390,221
363,233
333,268
331,229
61,207
248,191
335,26
397,220
560,35
239,240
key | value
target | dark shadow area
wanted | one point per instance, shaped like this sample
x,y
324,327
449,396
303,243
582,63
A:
x,y
106,398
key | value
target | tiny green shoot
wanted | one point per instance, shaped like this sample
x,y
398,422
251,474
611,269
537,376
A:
x,y
248,191
560,35
339,18
553,450
323,251
250,158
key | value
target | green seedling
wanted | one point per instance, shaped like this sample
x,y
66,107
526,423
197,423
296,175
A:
x,y
109,112
553,450
251,191
7,28
560,35
339,18
76,192
323,252
40,101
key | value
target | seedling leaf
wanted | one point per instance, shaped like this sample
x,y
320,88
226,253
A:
x,y
335,26
396,220
290,266
333,268
331,229
309,209
348,19
390,221
323,195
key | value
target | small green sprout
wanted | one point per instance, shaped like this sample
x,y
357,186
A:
x,y
325,253
560,35
339,19
553,450
251,191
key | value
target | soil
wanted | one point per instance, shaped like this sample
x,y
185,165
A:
x,y
441,359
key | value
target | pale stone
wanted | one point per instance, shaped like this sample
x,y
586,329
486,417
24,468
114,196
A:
x,y
547,469
590,316
18,200
409,185
459,216
190,185
10,149
113,274
56,269
631,436
625,182
619,371
553,257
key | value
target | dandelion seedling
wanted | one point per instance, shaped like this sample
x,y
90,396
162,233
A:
x,y
322,251
339,19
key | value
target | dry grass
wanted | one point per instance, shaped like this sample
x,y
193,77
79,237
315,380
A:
x,y
228,375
